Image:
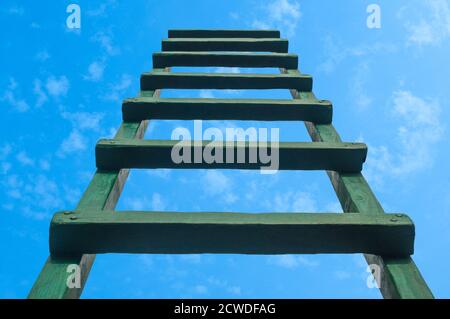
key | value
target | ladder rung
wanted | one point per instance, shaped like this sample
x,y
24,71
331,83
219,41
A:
x,y
138,109
96,232
117,154
243,60
165,80
223,44
224,34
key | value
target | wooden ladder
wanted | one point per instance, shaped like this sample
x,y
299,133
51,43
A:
x,y
386,240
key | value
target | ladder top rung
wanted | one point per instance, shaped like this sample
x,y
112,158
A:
x,y
222,33
225,40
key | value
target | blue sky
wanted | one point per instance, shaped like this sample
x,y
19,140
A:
x,y
60,91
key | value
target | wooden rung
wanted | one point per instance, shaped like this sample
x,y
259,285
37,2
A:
x,y
221,44
224,34
97,232
244,60
164,80
343,157
143,108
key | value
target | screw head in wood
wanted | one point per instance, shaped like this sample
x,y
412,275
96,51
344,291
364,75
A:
x,y
394,220
73,217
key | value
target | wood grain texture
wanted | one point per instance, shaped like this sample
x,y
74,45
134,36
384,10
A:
x,y
233,233
116,154
221,81
400,277
222,44
230,59
102,193
142,108
201,33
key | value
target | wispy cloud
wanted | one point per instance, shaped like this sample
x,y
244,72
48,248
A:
x,y
217,184
336,52
117,90
101,10
95,71
156,203
12,97
357,89
430,26
106,43
292,202
57,86
41,96
75,142
24,159
279,14
292,261
419,129
84,120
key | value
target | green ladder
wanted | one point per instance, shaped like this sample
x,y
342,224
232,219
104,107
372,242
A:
x,y
386,240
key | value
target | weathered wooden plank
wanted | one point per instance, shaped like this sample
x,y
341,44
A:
x,y
230,59
223,44
400,278
164,80
102,193
230,233
115,154
202,33
138,109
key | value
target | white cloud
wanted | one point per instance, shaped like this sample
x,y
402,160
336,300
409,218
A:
x,y
73,143
420,128
41,96
292,202
216,183
432,29
106,43
37,195
280,14
5,151
57,86
101,10
292,261
359,95
84,120
95,71
117,90
24,159
10,96
155,203
336,52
